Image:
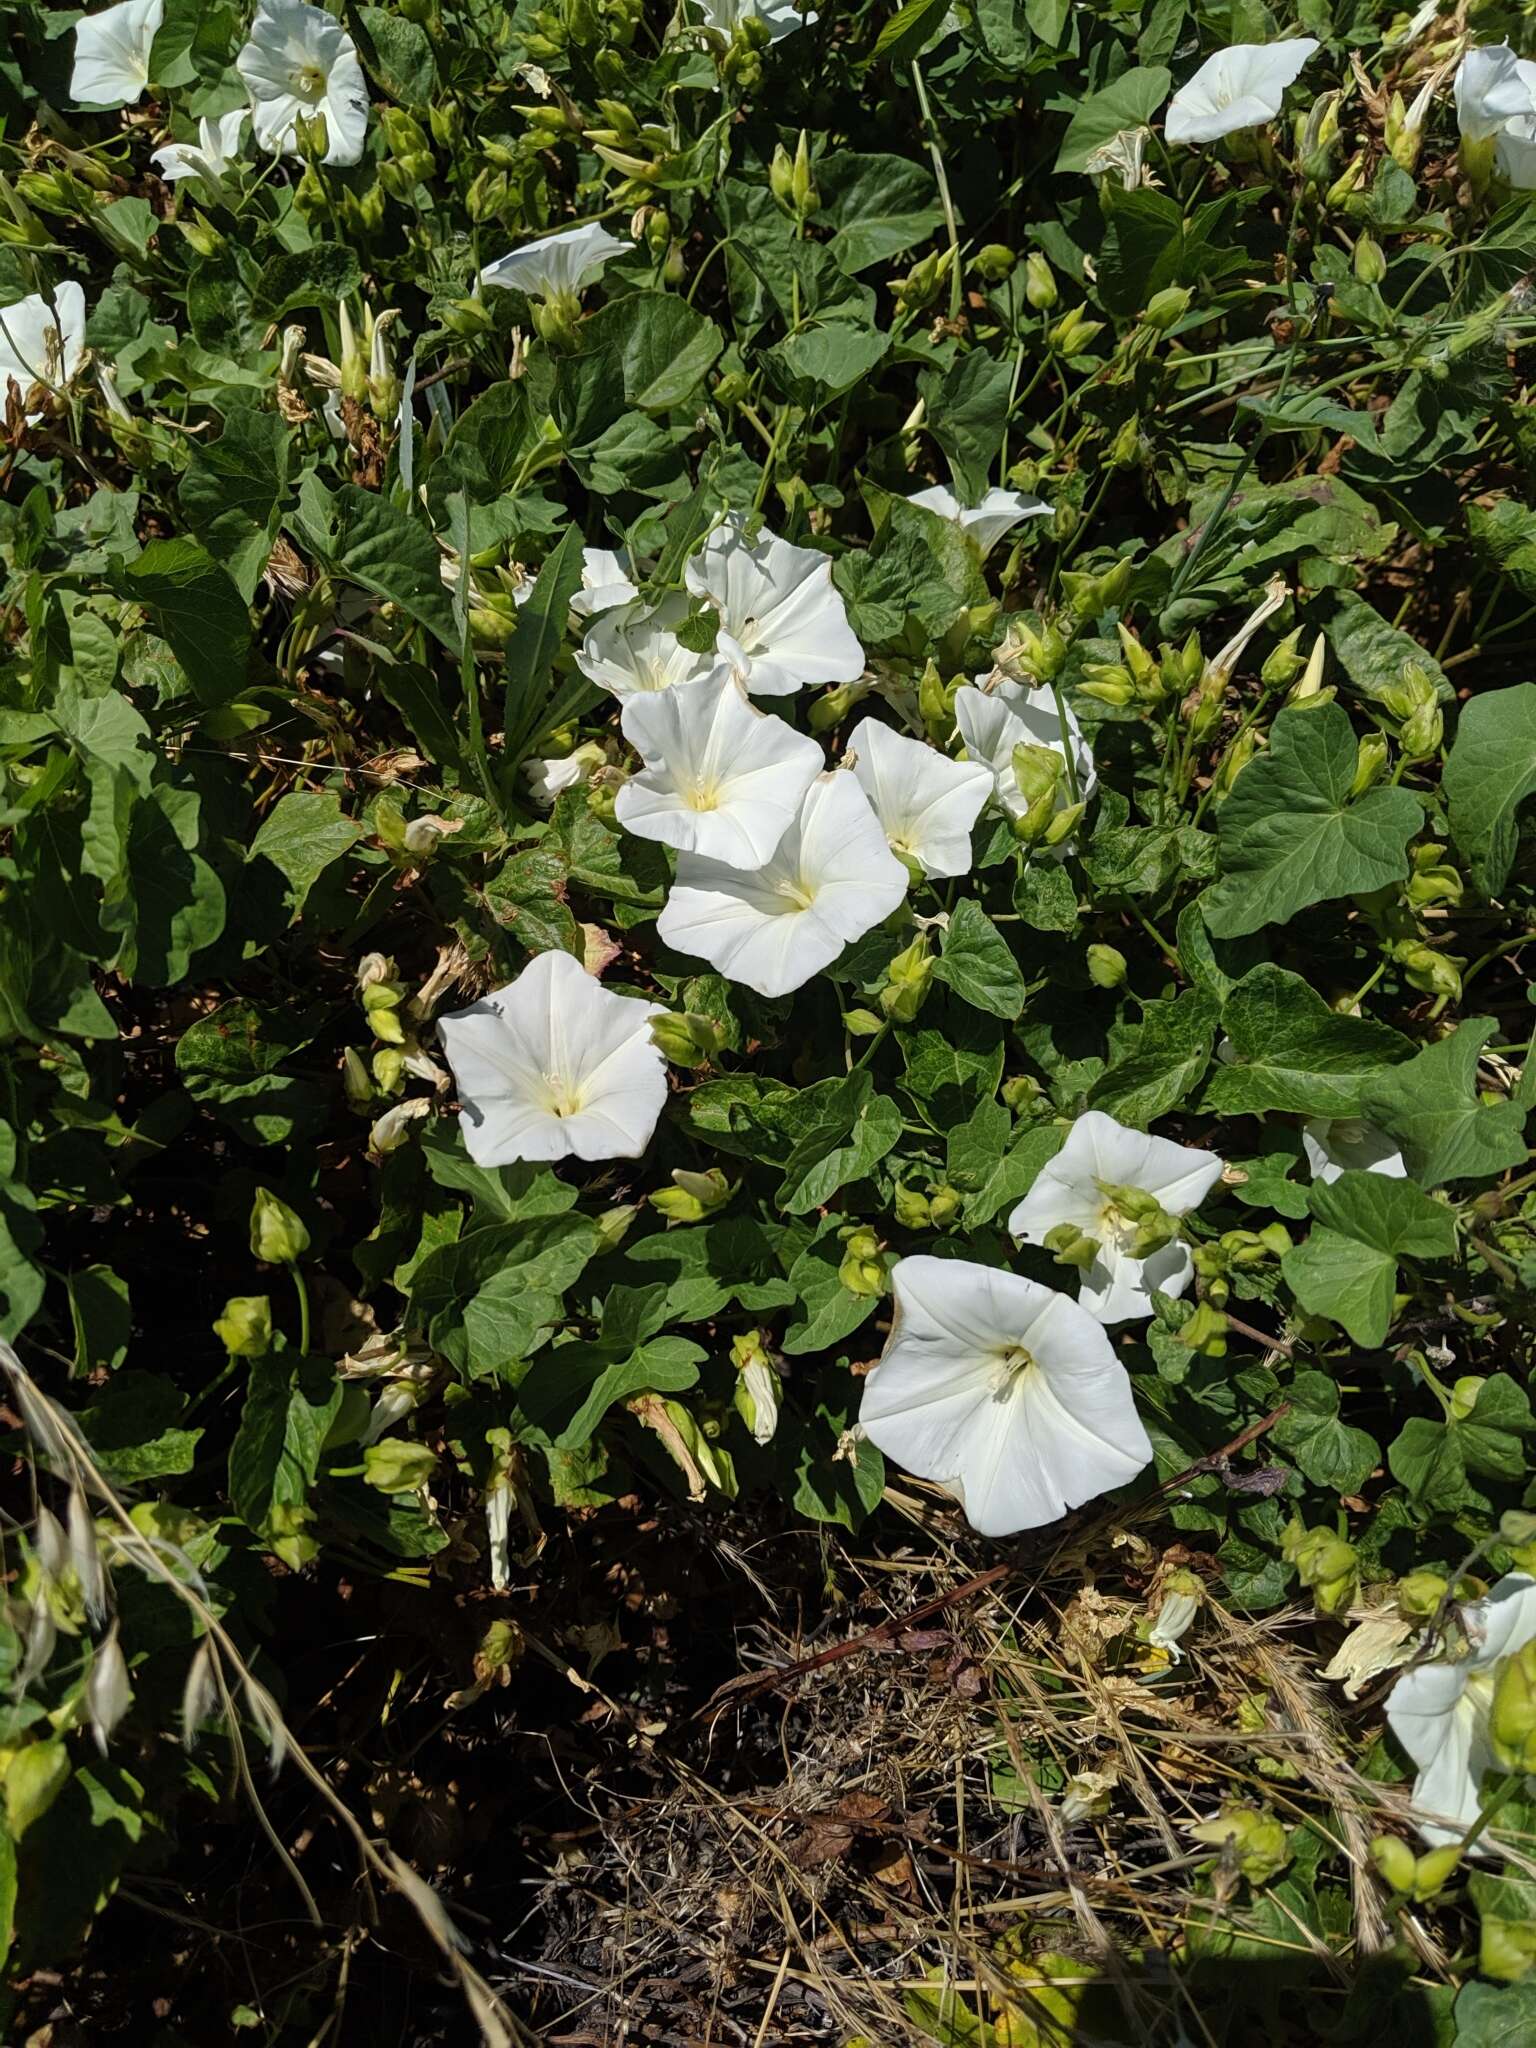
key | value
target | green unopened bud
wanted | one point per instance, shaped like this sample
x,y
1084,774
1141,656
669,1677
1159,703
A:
x,y
781,178
1252,1836
245,1327
693,1196
1233,761
1371,760
1204,1332
1436,974
1069,1246
1039,282
911,1209
833,706
1125,449
1284,662
355,1081
447,122
862,1023
278,1236
1512,1722
1346,186
803,194
1074,332
388,1068
402,131
1327,1565
556,318
1395,1863
1434,1870
1106,966
995,262
1421,732
1108,683
1419,1595
943,1206
1310,686
907,981
613,1225
1370,260
313,136
1506,1948
398,1466
1020,1092
687,1039
1167,308
863,1269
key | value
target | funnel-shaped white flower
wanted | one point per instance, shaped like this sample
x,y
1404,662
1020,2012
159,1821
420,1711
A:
x,y
1348,1144
785,624
1107,1182
604,582
112,53
1002,1391
1492,89
216,148
301,62
925,802
556,264
42,344
635,648
831,879
1240,87
1440,1712
1516,148
555,1066
995,719
720,779
782,17
997,513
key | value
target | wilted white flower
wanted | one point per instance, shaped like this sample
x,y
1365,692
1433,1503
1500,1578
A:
x,y
1177,1608
1348,1144
112,53
108,1694
43,344
831,879
635,647
1240,87
301,62
1379,1642
1118,1192
1440,1711
997,513
1492,89
554,1065
546,779
1004,1392
926,803
783,17
216,148
604,582
782,623
720,779
995,719
558,265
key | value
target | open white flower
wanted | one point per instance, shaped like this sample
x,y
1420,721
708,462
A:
x,y
42,344
216,148
1492,89
555,1066
635,648
1240,87
604,582
781,621
783,17
112,53
1004,1392
997,513
1116,1193
831,879
995,716
548,778
301,62
720,779
925,802
555,265
1348,1144
1440,1712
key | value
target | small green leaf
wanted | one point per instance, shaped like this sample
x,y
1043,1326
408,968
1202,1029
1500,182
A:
x,y
977,963
1291,1051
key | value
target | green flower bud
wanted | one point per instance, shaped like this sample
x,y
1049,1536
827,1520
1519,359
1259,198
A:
x,y
911,1208
1204,1332
245,1327
402,131
613,1225
1512,1720
1437,974
687,1039
943,1206
862,1023
1069,1246
1371,760
995,262
1419,1594
907,980
1020,1091
863,1269
278,1237
834,705
1167,308
1125,450
397,1465
1507,1948
1257,1841
1370,260
1108,683
693,1196
1039,282
447,120
388,1067
1284,662
1106,966
1395,1862
1328,1566
781,178
1074,332
1434,1870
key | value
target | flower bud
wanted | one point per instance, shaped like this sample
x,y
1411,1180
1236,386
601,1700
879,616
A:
x,y
1125,450
1254,1837
833,705
1039,282
1310,687
35,1776
693,1196
1371,759
1086,1796
1074,332
1434,1870
1512,1720
995,262
1106,966
943,1206
1283,663
862,1270
1419,1594
245,1327
911,1209
686,1038
1165,309
1327,1565
447,121
397,1465
1395,1862
278,1237
1436,974
1205,1331
1182,1594
907,980
758,1390
613,1226
1370,260
1070,1247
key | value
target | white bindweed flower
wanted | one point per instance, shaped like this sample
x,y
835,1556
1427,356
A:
x,y
782,623
108,1692
926,803
1003,1392
783,17
112,53
1440,1712
1516,146
604,582
42,344
995,716
1348,1144
999,512
831,879
555,1066
1117,1193
720,779
216,148
1491,90
1378,1642
301,62
635,648
546,779
554,266
1240,87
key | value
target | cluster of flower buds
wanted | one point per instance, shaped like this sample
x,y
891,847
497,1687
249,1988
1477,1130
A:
x,y
932,1211
693,1196
687,1038
791,182
1414,702
1237,1251
1074,333
1255,1840
1414,1877
863,1268
924,281
907,981
1325,1564
410,162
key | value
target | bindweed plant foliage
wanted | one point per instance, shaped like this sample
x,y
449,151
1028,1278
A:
x,y
751,756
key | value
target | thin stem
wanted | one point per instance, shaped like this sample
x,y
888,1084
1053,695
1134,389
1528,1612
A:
x,y
303,1294
936,153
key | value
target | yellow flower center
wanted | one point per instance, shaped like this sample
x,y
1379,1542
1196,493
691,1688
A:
x,y
1012,1365
797,895
564,1098
703,796
308,82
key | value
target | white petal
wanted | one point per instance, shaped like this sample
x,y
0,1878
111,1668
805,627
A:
x,y
778,605
783,17
997,513
555,1065
635,647
1442,1729
831,879
1240,87
1347,1145
994,721
1018,1447
112,53
1503,1621
562,262
1490,91
40,344
1117,1288
926,803
720,779
604,582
